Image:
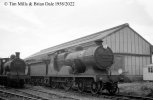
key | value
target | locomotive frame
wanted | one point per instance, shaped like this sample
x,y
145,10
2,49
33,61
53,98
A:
x,y
93,83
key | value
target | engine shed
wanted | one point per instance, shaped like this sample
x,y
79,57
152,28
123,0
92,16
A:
x,y
132,52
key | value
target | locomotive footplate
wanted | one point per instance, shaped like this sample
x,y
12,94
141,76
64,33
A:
x,y
18,77
104,78
107,78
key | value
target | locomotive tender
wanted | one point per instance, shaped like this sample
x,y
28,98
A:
x,y
12,71
87,69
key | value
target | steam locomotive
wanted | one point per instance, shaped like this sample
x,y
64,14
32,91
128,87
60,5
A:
x,y
84,69
12,71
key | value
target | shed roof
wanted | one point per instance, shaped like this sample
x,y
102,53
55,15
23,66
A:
x,y
89,38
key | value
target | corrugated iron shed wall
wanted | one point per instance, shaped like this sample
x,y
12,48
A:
x,y
134,49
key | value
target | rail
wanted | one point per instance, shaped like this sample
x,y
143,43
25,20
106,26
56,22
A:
x,y
5,94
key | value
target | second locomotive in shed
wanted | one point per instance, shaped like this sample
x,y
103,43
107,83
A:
x,y
12,71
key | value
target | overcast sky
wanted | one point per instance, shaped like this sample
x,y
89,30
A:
x,y
31,29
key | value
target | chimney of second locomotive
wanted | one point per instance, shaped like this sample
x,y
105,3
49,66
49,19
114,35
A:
x,y
99,42
17,54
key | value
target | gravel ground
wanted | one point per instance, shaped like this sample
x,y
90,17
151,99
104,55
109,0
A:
x,y
137,89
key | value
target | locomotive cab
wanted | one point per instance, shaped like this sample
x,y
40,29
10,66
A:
x,y
2,62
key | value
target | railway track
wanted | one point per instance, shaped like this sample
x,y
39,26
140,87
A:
x,y
68,95
118,96
29,94
107,96
135,97
60,96
5,95
36,94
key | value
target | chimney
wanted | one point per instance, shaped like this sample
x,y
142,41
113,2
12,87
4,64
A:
x,y
99,42
17,54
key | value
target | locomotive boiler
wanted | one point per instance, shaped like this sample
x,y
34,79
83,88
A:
x,y
85,69
94,60
13,71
